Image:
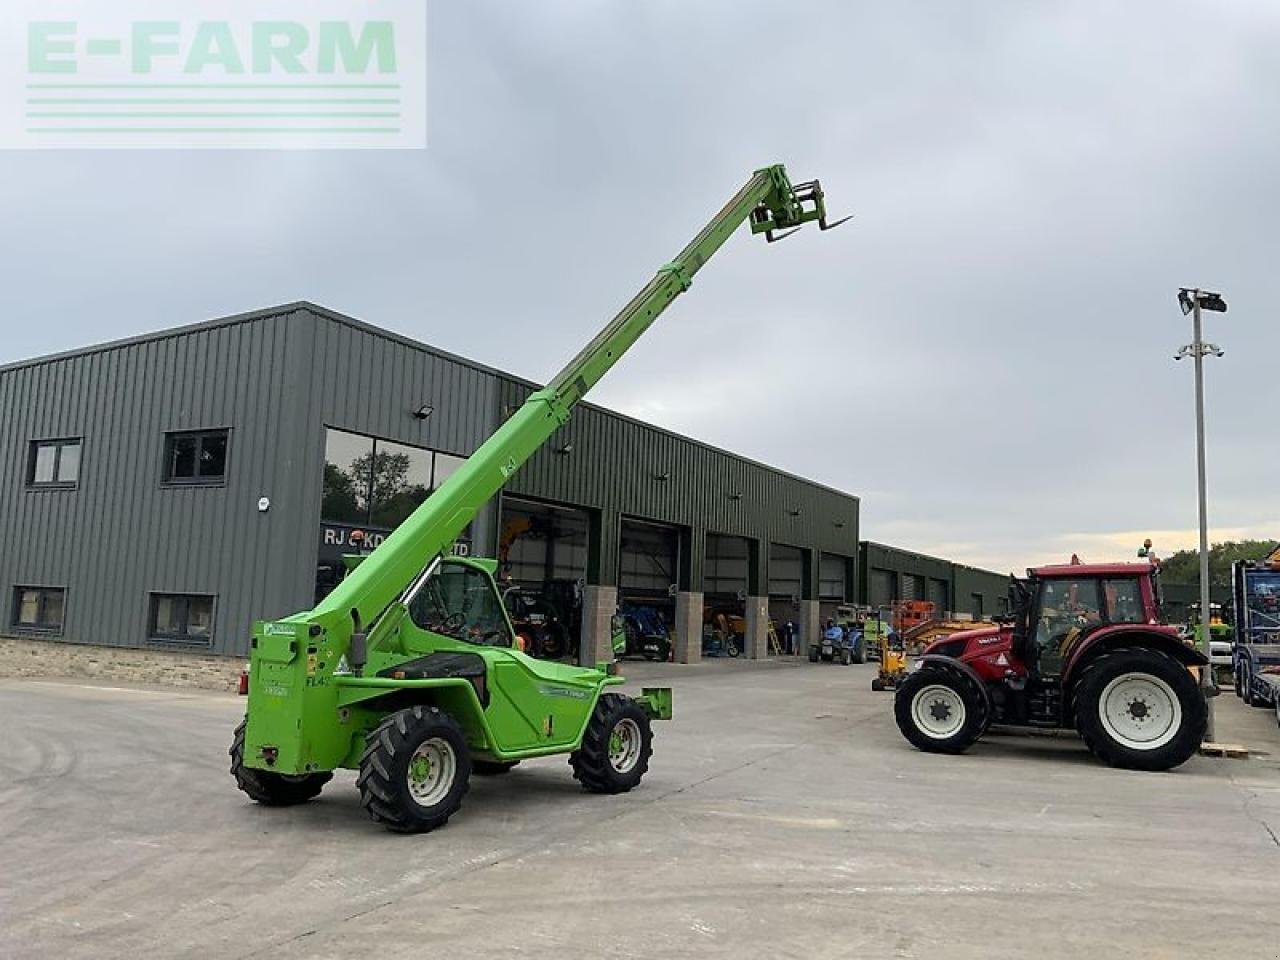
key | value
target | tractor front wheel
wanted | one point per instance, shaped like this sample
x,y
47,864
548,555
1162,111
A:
x,y
616,748
1140,709
268,788
939,711
415,770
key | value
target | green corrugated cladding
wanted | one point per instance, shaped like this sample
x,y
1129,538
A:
x,y
878,560
616,469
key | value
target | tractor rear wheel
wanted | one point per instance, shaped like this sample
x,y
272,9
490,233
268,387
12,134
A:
x,y
1140,709
616,748
940,711
415,769
268,788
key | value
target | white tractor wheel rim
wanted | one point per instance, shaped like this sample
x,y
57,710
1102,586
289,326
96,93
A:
x,y
938,712
1140,711
431,771
624,745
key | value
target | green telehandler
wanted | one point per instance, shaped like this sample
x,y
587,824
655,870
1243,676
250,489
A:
x,y
407,671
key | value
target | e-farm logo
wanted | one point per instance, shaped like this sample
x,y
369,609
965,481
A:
x,y
277,74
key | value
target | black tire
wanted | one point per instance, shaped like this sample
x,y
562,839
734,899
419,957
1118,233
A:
x,y
813,654
732,646
877,684
1248,696
272,789
492,768
386,773
1158,671
859,653
953,701
593,765
1235,683
555,642
846,657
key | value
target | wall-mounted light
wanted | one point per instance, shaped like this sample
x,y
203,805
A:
x,y
735,496
664,476
795,511
424,411
566,449
838,524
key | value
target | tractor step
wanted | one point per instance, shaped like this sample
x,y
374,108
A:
x,y
1235,751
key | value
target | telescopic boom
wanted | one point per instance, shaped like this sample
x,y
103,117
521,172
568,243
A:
x,y
768,201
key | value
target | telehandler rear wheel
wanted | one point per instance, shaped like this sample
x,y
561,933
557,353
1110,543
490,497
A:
x,y
415,770
616,748
272,789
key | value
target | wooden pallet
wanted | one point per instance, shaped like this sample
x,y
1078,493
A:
x,y
1233,750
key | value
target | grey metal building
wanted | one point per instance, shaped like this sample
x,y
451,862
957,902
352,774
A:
x,y
170,489
888,575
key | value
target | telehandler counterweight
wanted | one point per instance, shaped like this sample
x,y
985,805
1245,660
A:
x,y
407,670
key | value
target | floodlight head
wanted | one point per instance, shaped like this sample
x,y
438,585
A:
x,y
1188,297
1213,302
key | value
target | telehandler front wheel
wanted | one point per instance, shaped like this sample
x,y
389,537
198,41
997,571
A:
x,y
616,748
272,789
415,770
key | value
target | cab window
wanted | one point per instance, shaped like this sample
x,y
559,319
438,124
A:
x,y
1066,608
460,602
1124,601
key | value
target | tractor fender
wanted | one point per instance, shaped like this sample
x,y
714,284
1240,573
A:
x,y
1130,636
938,661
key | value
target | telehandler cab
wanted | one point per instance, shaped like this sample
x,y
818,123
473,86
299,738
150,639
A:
x,y
406,671
1084,648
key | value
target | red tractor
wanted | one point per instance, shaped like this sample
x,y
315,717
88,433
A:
x,y
1084,647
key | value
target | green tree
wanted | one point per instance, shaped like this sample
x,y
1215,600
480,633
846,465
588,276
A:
x,y
1184,566
387,496
339,502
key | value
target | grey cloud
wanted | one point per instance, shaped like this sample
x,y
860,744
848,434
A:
x,y
984,353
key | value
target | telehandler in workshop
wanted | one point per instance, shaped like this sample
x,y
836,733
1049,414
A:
x,y
407,672
1084,648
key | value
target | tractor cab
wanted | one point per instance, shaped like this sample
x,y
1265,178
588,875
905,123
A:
x,y
1060,608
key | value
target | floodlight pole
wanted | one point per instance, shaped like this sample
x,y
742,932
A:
x,y
1208,682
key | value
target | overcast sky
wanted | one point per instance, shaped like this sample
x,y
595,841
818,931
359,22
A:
x,y
984,354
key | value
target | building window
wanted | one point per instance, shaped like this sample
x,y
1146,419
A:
x,y
181,618
54,463
378,483
39,608
196,456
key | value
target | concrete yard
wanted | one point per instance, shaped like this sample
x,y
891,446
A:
x,y
783,816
